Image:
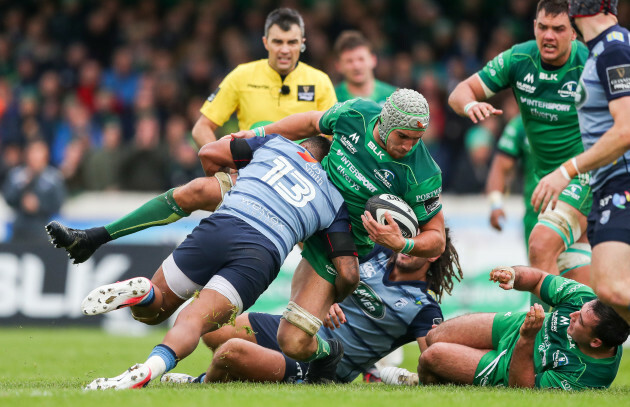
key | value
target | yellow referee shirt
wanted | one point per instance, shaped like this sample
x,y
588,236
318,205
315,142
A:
x,y
253,90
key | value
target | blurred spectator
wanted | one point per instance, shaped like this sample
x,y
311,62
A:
x,y
35,191
472,170
121,78
101,168
144,165
76,126
10,158
356,62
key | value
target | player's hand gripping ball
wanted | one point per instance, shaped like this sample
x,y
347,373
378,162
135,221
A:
x,y
401,212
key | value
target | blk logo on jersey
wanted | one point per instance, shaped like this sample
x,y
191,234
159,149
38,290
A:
x,y
544,76
306,93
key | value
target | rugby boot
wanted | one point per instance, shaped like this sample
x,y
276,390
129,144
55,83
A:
x,y
136,377
372,375
179,378
398,376
324,370
75,241
111,297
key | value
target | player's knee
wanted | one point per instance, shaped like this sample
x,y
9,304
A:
x,y
431,356
543,247
191,196
613,295
229,354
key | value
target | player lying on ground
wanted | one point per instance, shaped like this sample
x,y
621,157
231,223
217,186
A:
x,y
233,255
396,303
574,347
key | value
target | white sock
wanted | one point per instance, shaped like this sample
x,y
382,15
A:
x,y
157,366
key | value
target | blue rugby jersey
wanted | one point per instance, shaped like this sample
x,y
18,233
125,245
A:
x,y
285,194
606,77
382,315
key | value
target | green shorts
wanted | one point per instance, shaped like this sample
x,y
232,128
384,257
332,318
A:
x,y
314,251
494,367
578,194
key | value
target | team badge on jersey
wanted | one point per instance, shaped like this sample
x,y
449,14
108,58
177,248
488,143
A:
x,y
306,93
618,79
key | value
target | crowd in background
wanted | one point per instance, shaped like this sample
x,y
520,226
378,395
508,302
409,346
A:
x,y
114,87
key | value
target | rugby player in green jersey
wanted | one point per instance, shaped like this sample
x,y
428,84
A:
x,y
543,74
356,62
374,151
577,346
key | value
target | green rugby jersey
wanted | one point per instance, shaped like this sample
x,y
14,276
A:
x,y
380,93
545,99
557,360
360,168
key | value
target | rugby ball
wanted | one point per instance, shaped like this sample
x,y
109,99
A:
x,y
402,213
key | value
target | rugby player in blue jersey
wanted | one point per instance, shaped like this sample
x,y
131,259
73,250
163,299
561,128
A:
x,y
603,103
282,197
397,302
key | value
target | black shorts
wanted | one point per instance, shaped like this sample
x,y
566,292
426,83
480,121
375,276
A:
x,y
265,328
609,219
228,247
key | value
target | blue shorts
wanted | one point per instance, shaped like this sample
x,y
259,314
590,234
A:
x,y
265,328
226,246
609,219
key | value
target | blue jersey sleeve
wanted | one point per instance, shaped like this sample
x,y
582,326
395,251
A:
x,y
613,69
423,322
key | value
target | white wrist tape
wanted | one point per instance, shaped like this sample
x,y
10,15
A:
x,y
469,105
565,173
574,162
512,272
496,199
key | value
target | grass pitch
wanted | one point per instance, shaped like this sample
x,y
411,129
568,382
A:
x,y
49,367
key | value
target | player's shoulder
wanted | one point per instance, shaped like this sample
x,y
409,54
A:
x,y
525,50
615,38
364,106
356,107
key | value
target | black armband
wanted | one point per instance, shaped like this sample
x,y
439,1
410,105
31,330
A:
x,y
340,244
241,152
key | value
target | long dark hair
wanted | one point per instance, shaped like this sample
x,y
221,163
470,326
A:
x,y
443,272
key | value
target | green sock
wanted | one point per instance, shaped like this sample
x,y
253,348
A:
x,y
159,211
323,350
